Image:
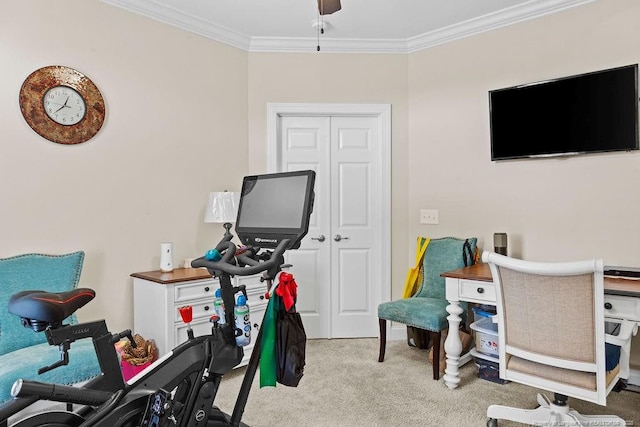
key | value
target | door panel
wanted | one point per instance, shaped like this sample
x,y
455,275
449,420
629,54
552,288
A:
x,y
354,289
304,146
355,286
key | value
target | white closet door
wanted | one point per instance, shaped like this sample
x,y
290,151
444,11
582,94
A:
x,y
339,264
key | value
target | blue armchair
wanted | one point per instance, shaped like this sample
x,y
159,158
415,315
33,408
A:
x,y
23,351
426,310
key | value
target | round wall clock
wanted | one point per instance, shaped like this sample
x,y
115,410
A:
x,y
62,105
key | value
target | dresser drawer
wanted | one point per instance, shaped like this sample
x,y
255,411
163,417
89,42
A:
x,y
251,281
256,295
257,311
476,291
200,327
200,309
195,290
622,307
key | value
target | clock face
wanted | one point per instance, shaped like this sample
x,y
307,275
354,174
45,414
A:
x,y
64,105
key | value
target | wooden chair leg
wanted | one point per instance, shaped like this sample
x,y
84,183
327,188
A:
x,y
435,340
383,338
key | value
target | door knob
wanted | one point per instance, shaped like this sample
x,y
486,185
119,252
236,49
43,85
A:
x,y
339,237
320,238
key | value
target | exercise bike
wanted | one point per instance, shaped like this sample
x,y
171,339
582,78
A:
x,y
176,390
179,388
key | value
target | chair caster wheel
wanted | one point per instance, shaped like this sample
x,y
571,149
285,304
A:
x,y
492,422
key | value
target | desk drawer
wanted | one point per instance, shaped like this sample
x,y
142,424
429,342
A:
x,y
476,291
622,307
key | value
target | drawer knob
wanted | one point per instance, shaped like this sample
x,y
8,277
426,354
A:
x,y
480,290
256,326
206,308
608,306
261,297
206,289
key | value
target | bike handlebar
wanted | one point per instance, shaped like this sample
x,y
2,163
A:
x,y
228,250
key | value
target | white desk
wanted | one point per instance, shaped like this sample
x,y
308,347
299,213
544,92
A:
x,y
475,284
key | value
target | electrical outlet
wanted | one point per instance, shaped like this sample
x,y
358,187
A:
x,y
428,216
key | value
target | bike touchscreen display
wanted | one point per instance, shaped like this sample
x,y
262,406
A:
x,y
274,207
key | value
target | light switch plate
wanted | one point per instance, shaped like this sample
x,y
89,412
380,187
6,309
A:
x,y
428,216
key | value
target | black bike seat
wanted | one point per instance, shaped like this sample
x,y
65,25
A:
x,y
50,307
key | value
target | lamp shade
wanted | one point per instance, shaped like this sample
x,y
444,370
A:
x,y
222,207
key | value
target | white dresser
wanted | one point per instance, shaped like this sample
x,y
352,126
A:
x,y
157,296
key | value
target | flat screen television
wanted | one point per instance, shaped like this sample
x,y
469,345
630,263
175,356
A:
x,y
587,113
274,207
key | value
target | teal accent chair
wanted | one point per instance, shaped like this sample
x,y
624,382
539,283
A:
x,y
23,351
426,310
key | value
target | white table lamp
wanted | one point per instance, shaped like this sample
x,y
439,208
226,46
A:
x,y
222,207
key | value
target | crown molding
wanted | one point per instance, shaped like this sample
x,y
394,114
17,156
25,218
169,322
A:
x,y
184,21
519,13
513,15
327,45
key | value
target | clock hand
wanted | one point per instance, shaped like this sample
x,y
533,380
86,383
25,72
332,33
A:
x,y
63,105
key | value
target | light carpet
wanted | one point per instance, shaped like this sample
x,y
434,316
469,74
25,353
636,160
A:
x,y
345,385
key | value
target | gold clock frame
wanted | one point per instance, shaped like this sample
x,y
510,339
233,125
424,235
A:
x,y
32,104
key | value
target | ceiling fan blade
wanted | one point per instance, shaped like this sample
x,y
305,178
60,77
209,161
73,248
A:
x,y
327,7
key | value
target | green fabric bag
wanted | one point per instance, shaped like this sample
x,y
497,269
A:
x,y
268,362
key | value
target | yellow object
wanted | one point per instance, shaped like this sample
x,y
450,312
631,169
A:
x,y
414,275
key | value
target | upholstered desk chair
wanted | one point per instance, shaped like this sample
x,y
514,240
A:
x,y
551,335
426,310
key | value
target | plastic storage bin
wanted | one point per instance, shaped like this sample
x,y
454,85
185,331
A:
x,y
486,333
487,367
483,311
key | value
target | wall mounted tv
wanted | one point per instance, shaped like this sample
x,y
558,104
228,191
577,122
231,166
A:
x,y
588,113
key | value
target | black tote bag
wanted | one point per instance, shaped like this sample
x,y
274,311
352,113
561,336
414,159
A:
x,y
291,345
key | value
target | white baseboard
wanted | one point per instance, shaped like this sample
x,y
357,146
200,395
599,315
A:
x,y
399,332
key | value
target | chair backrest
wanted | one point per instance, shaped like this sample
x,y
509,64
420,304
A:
x,y
551,325
51,273
442,255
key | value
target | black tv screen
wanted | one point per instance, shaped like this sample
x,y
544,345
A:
x,y
274,207
587,113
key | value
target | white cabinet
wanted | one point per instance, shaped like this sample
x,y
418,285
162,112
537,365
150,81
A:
x,y
157,297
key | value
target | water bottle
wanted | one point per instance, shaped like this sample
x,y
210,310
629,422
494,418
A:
x,y
218,307
243,323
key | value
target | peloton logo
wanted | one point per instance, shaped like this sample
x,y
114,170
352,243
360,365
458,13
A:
x,y
261,240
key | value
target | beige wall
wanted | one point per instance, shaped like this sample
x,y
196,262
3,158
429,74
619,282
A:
x,y
187,115
551,209
175,129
